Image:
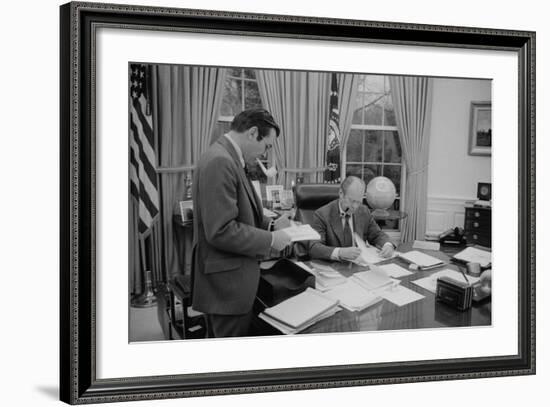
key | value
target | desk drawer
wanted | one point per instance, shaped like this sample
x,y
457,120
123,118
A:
x,y
483,239
478,214
480,225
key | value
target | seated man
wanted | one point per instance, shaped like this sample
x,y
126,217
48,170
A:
x,y
338,220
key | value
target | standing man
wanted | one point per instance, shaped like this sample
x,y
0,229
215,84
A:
x,y
338,220
230,232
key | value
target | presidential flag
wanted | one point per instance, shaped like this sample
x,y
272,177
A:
x,y
332,174
143,177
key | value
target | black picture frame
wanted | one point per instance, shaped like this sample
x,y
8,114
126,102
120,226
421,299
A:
x,y
78,381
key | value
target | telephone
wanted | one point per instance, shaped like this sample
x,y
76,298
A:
x,y
453,236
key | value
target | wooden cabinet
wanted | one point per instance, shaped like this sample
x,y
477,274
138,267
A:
x,y
477,226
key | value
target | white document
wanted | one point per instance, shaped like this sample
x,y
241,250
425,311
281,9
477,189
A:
x,y
302,232
369,255
325,276
429,283
423,245
400,295
301,309
269,214
374,279
353,296
290,331
422,260
473,255
395,271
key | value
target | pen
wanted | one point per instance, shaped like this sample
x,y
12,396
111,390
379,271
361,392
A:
x,y
464,275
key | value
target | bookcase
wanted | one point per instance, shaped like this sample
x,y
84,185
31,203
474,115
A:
x,y
477,226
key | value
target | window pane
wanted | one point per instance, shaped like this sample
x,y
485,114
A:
x,y
370,171
392,147
393,172
354,146
358,112
232,99
251,95
354,169
373,112
375,83
236,72
372,147
389,114
250,73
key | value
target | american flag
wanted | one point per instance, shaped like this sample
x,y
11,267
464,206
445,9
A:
x,y
143,177
332,174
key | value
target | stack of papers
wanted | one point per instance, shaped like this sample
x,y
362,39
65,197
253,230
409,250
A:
x,y
423,261
374,279
369,255
430,283
325,276
302,232
473,255
400,295
395,271
353,296
300,311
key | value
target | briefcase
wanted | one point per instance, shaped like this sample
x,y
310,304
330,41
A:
x,y
281,281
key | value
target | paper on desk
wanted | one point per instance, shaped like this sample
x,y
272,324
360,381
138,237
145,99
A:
x,y
353,296
369,255
393,270
429,283
325,276
302,232
400,295
473,255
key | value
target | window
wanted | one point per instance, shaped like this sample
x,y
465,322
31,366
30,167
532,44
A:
x,y
241,92
373,146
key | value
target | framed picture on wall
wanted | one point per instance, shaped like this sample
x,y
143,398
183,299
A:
x,y
99,41
480,129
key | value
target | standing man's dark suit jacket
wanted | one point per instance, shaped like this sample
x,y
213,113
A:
x,y
229,236
328,223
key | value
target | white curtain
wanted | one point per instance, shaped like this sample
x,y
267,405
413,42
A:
x,y
412,100
299,103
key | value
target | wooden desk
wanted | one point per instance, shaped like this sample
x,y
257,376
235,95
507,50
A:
x,y
424,313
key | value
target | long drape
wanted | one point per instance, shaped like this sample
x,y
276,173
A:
x,y
299,102
186,103
189,100
412,100
347,94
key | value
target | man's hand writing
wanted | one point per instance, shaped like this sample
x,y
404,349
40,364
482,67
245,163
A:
x,y
349,253
387,250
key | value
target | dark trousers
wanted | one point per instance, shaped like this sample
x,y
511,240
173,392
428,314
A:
x,y
223,326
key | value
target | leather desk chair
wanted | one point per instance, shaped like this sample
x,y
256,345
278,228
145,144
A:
x,y
309,198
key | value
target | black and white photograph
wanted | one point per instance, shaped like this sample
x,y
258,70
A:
x,y
380,175
264,203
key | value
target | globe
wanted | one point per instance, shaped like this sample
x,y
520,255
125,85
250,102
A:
x,y
380,195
